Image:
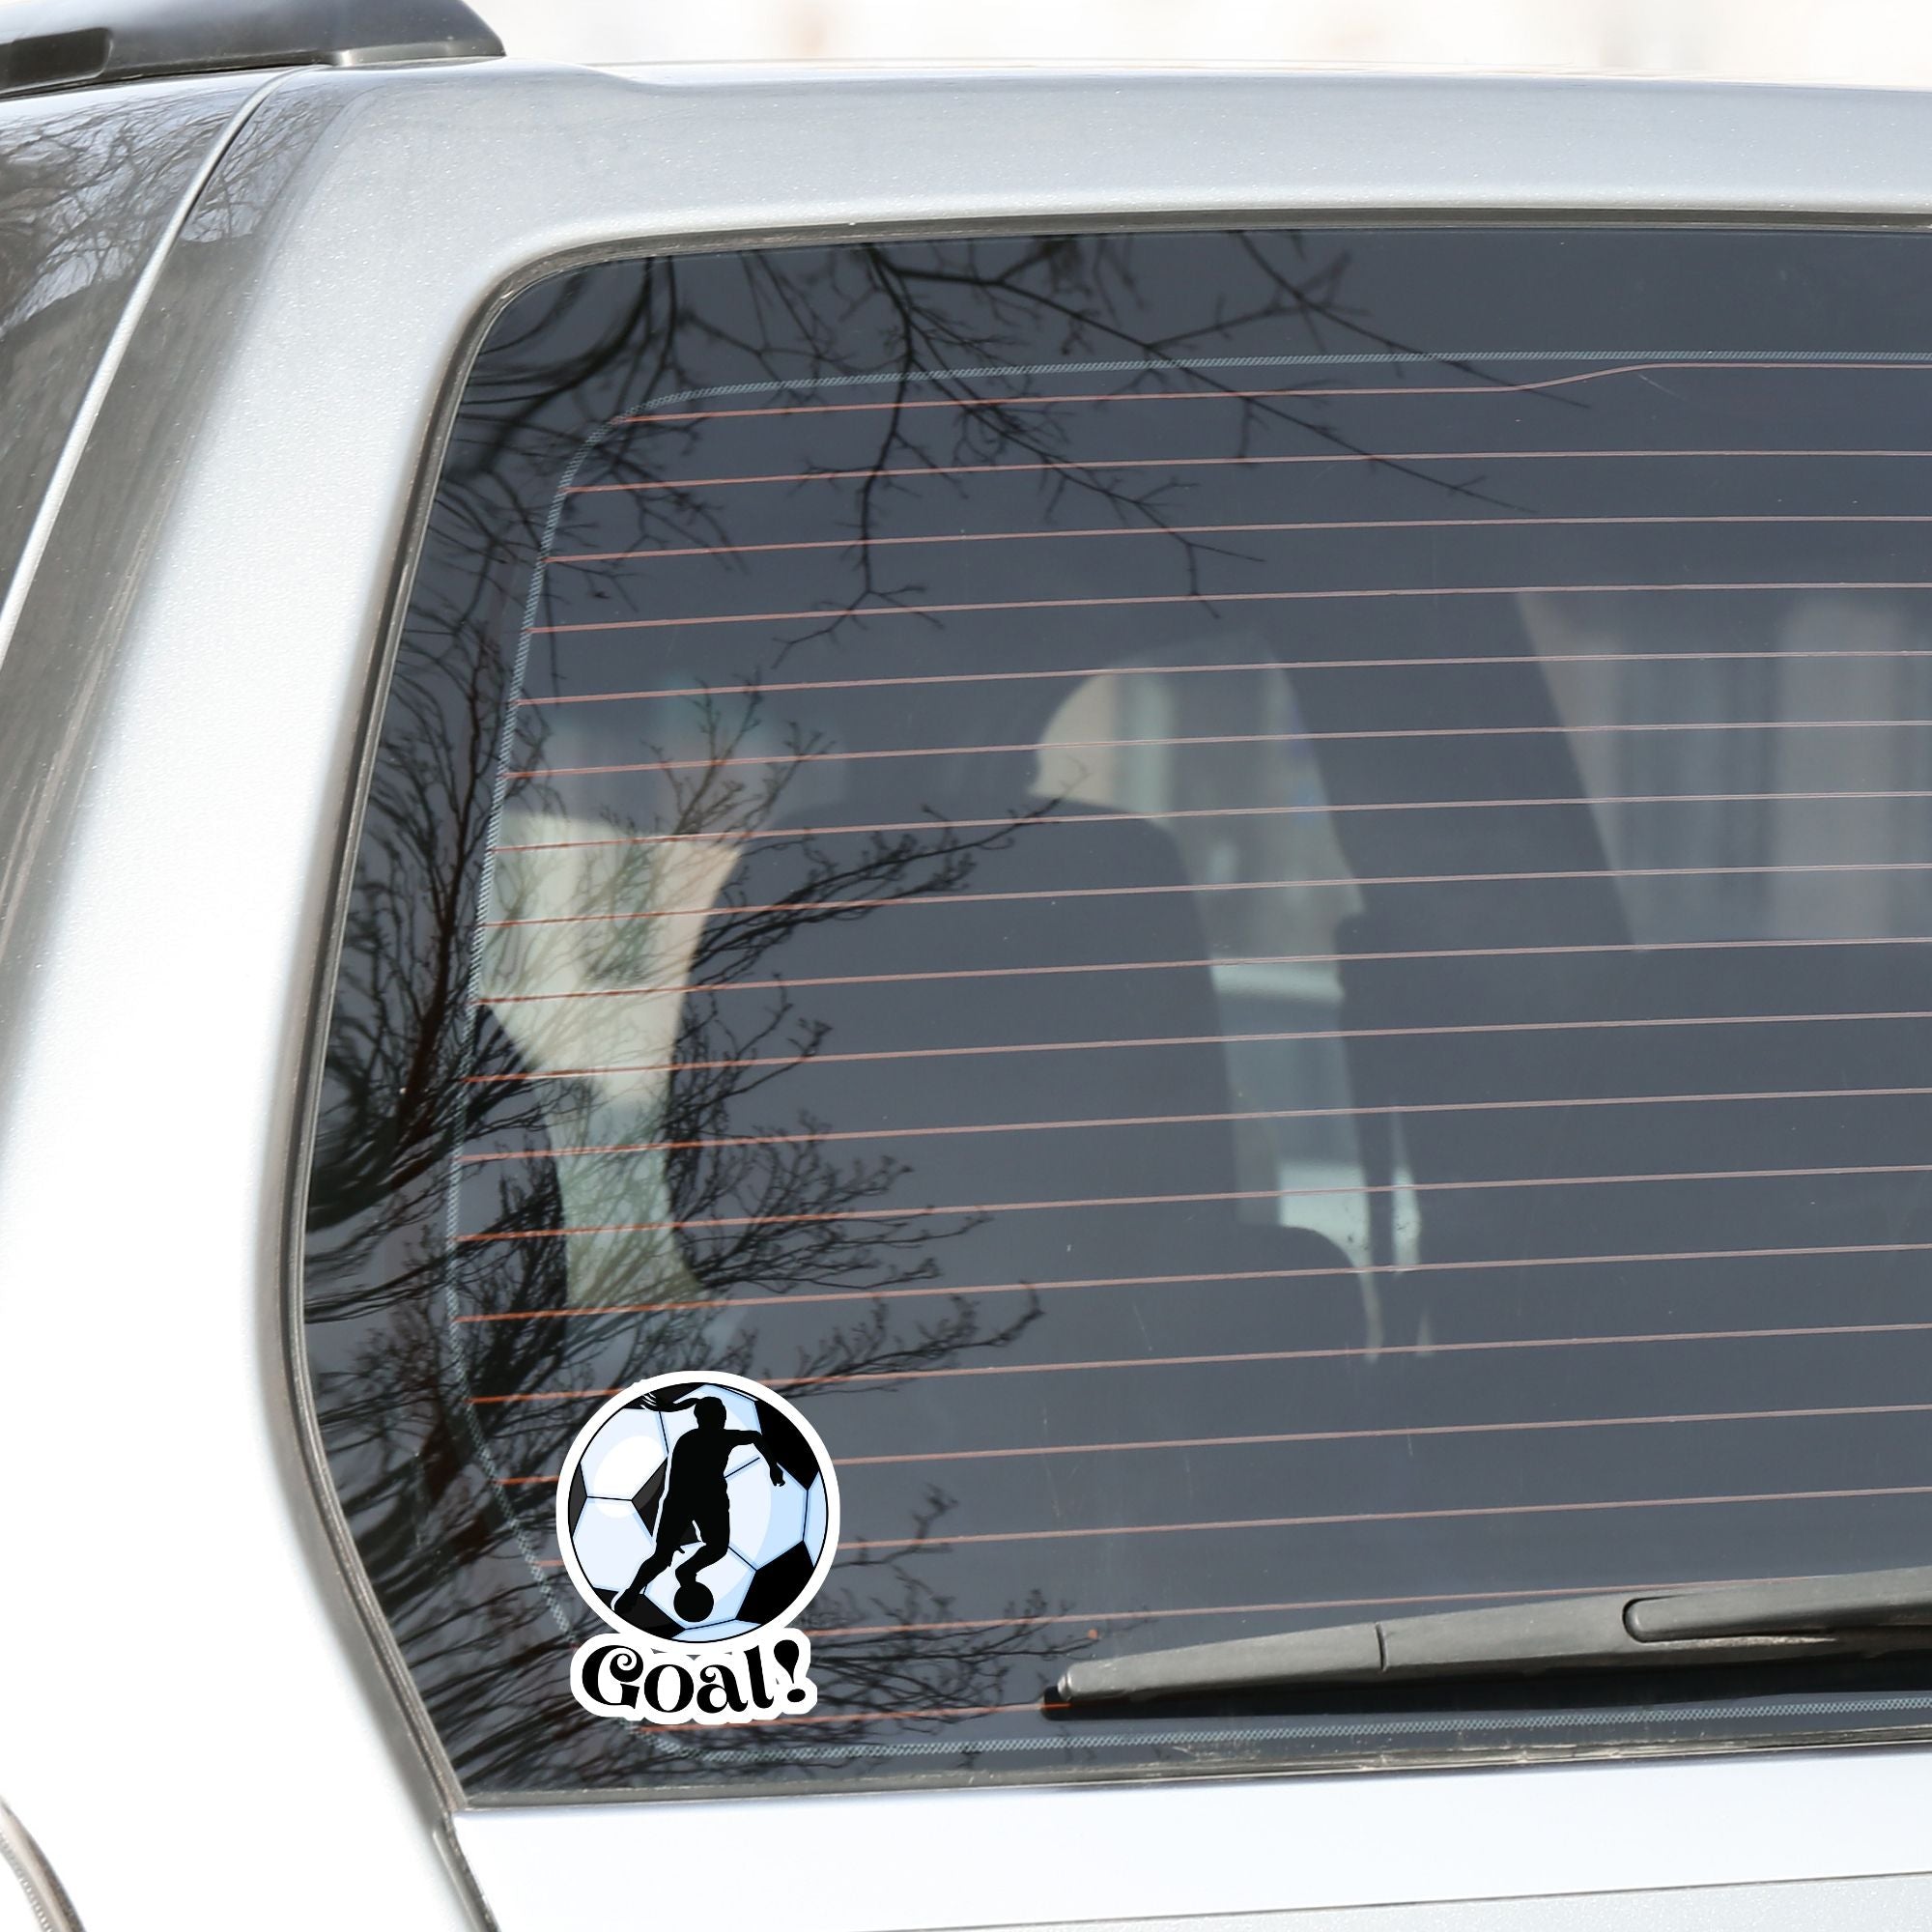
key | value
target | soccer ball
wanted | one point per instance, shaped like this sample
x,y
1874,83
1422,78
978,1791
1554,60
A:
x,y
618,1490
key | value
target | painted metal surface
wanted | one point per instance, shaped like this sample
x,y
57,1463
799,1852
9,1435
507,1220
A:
x,y
1825,1905
88,187
194,1720
1149,1853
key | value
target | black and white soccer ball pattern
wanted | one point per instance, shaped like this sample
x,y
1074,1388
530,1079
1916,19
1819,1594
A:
x,y
616,1477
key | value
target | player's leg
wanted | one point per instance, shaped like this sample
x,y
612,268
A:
x,y
707,1553
672,1535
694,1602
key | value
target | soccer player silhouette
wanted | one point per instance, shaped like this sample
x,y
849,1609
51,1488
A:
x,y
695,1505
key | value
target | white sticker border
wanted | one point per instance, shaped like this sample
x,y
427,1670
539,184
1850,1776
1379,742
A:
x,y
713,1647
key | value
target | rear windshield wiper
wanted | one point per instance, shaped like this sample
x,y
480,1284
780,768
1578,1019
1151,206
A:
x,y
1870,1611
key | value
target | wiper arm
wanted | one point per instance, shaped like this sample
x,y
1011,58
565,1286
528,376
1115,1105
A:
x,y
1870,1611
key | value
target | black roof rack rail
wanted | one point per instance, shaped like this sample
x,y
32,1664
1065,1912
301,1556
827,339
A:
x,y
56,44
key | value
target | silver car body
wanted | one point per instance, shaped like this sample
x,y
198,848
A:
x,y
200,1717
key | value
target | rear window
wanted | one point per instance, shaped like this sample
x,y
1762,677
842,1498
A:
x,y
1251,908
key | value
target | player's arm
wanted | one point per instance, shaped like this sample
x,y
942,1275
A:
x,y
737,1436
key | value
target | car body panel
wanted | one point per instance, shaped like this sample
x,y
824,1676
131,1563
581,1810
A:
x,y
186,711
89,189
1132,1854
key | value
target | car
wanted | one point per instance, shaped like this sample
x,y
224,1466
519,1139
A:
x,y
947,998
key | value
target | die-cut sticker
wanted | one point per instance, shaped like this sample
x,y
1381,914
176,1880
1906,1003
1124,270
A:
x,y
697,1514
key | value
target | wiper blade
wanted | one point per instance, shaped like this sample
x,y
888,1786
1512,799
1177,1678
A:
x,y
1868,1612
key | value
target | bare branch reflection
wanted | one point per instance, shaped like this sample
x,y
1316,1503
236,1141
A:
x,y
593,1035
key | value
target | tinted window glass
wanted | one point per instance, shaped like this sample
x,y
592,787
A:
x,y
1253,907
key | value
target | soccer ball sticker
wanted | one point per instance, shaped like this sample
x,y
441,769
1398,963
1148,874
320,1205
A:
x,y
697,1515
